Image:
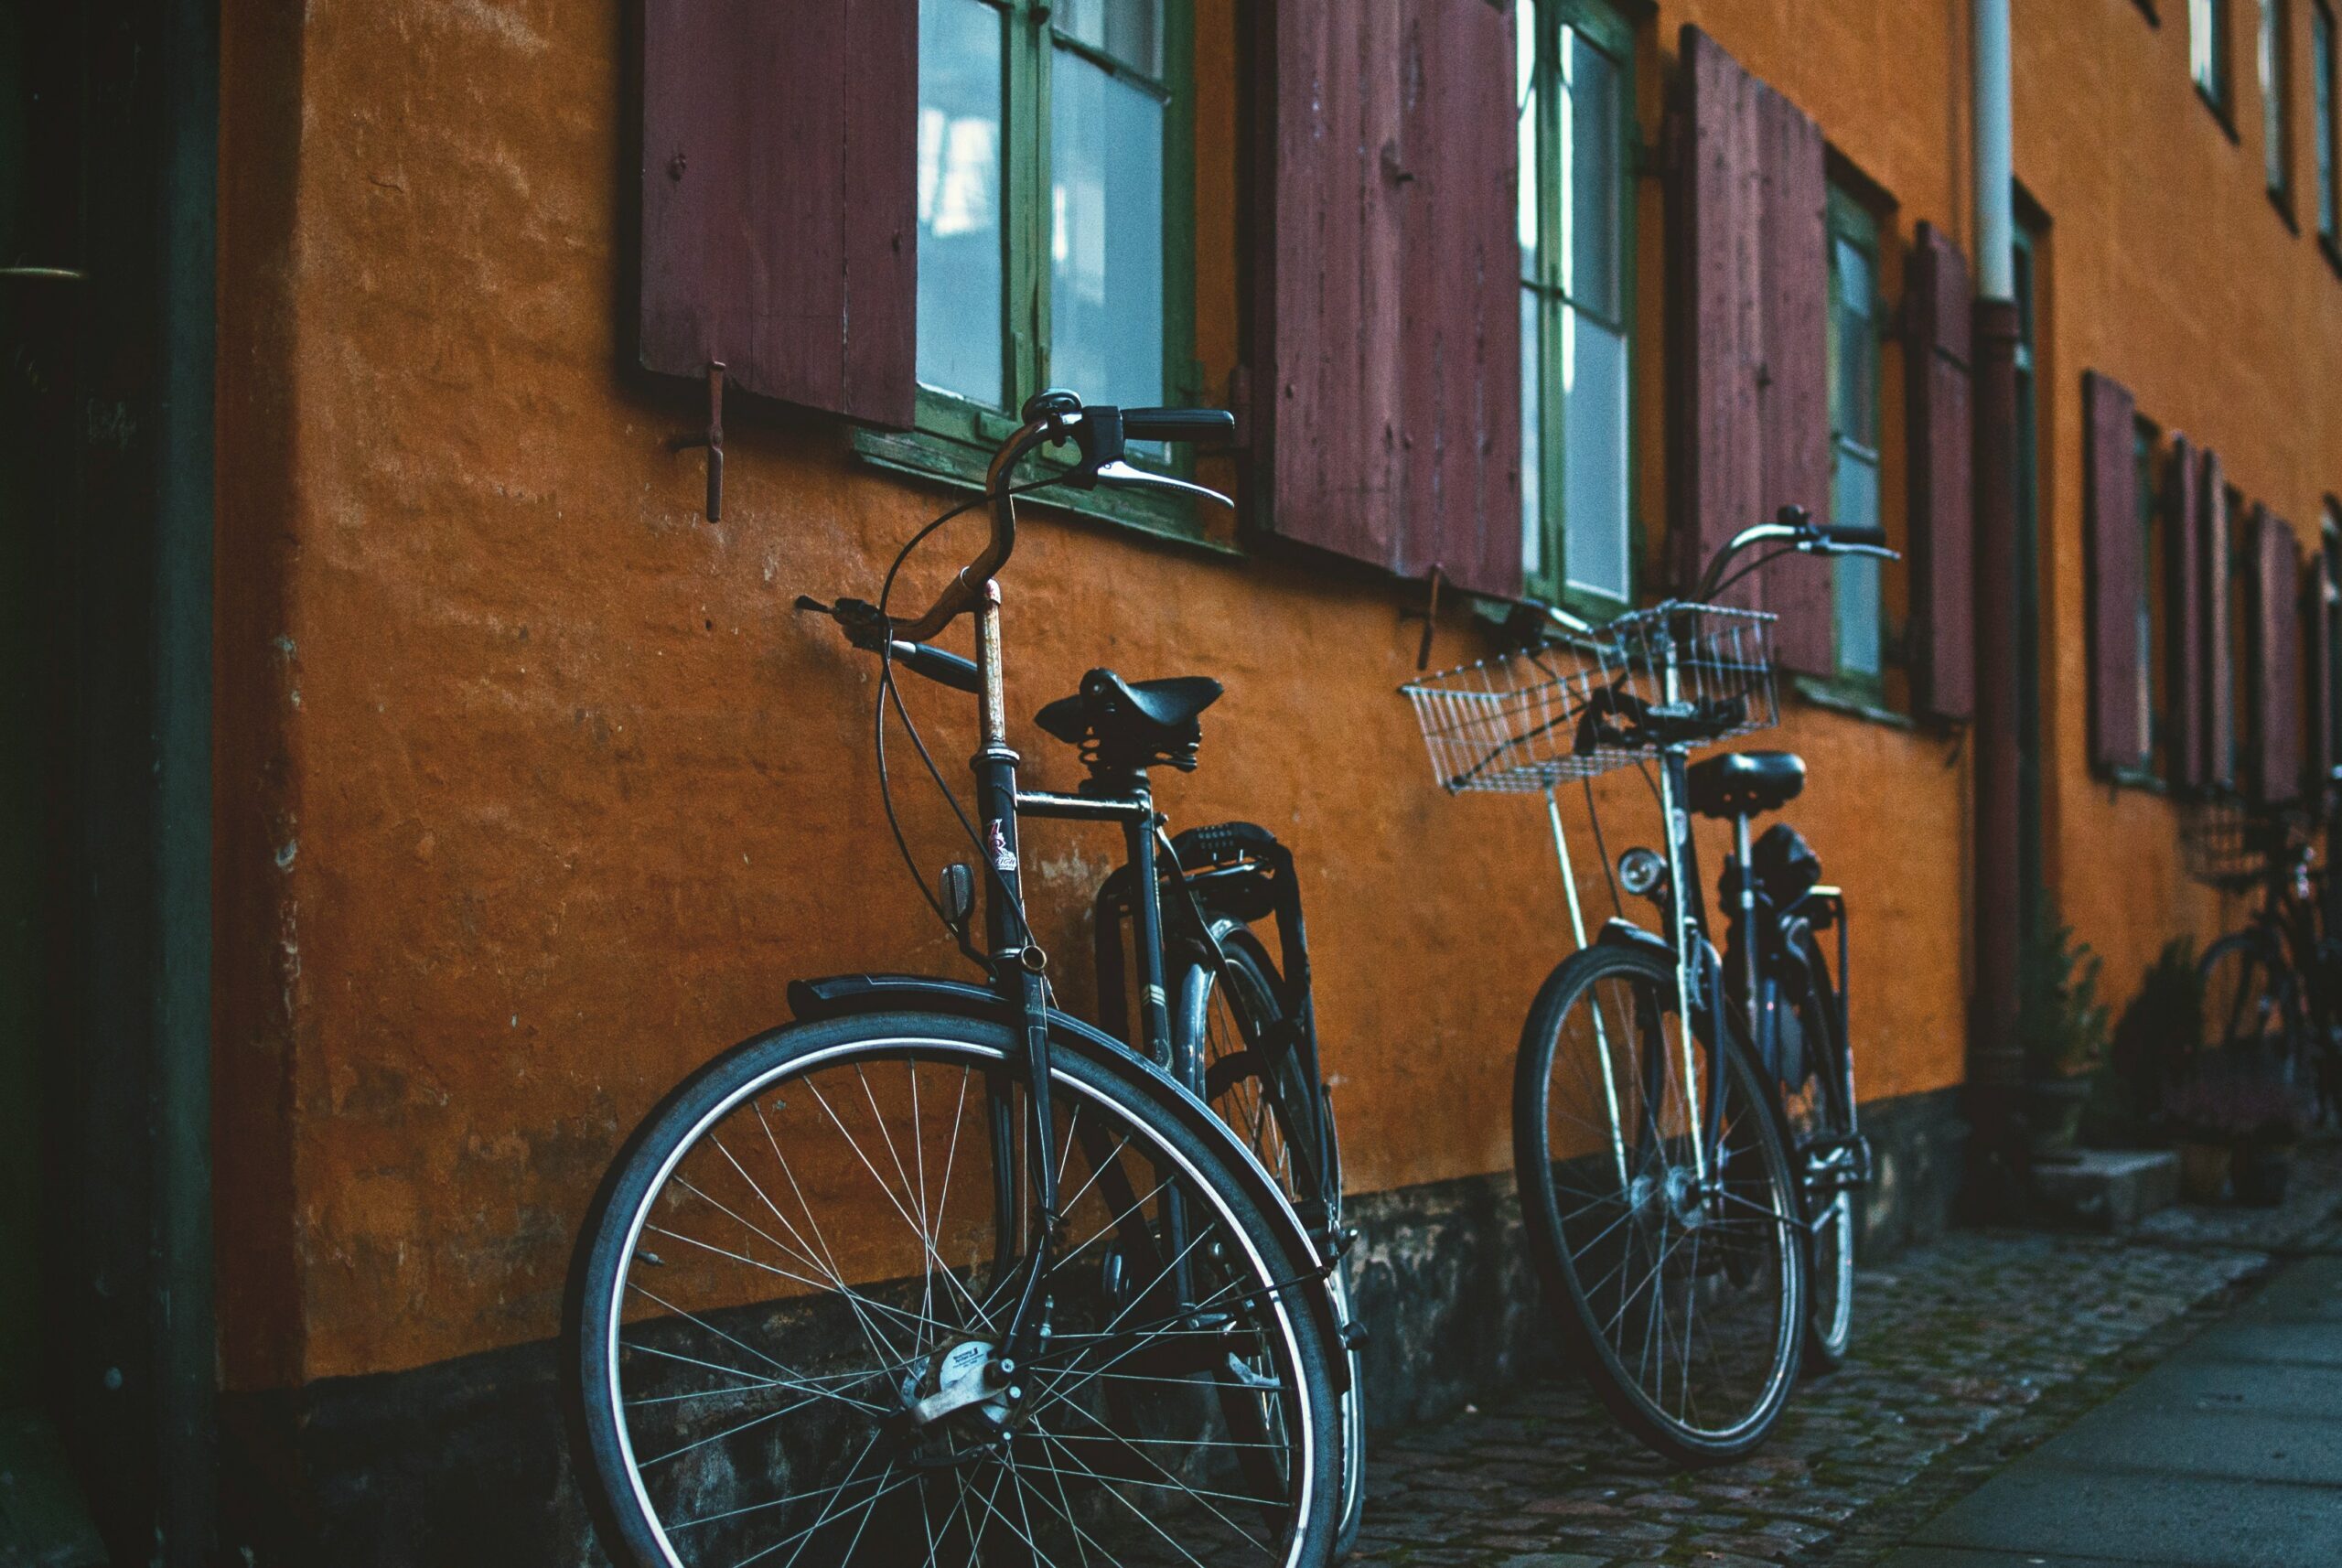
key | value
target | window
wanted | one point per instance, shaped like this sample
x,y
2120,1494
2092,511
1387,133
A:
x,y
2151,597
2276,150
1854,375
2330,608
2321,42
1574,88
2207,52
2243,739
1053,165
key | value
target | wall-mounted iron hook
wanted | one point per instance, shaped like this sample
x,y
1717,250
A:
x,y
1429,615
713,441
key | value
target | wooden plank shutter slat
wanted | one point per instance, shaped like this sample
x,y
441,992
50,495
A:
x,y
2184,672
1718,344
1795,287
779,190
1942,419
2318,672
1751,268
1387,402
2117,574
2219,661
2276,640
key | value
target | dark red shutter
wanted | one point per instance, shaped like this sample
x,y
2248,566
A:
x,y
2117,574
2218,733
2276,640
1386,331
2184,615
1941,418
779,190
1751,282
2318,670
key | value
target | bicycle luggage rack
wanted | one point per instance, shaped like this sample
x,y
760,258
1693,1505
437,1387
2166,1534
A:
x,y
2225,842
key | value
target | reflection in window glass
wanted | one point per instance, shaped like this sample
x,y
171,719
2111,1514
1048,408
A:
x,y
1594,496
2321,33
2273,146
1854,347
2150,579
959,149
1130,30
1854,499
2207,47
1106,326
1533,565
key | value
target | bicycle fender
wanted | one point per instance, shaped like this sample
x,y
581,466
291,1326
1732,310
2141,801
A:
x,y
1620,932
839,995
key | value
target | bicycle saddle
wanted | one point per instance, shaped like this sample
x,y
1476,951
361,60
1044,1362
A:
x,y
1127,724
1743,783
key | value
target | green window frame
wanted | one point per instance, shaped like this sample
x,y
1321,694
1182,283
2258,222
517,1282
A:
x,y
2276,141
1574,94
2322,133
1047,49
1853,374
2208,52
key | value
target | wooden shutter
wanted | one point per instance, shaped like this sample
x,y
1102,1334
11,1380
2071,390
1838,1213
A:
x,y
2183,615
779,187
2117,574
2276,641
1750,336
1939,319
1386,320
2218,733
2318,672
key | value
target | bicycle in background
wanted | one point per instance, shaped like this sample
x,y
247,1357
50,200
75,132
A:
x,y
1685,1130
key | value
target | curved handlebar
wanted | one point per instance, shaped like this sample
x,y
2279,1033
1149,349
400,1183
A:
x,y
1100,432
1795,529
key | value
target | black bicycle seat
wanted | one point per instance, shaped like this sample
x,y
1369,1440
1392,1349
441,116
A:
x,y
1743,783
1132,723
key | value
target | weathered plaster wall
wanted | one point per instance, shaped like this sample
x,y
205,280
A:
x,y
535,791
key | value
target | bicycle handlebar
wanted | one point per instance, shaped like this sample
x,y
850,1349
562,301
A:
x,y
1794,528
1101,432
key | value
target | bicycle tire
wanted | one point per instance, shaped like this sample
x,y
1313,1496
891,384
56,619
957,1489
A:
x,y
1660,1195
1262,1122
1816,1111
1257,1308
2247,981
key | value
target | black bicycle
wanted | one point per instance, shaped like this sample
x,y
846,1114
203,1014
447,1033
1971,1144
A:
x,y
1687,1189
2272,990
940,1274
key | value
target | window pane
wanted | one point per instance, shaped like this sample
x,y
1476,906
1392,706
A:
x,y
1533,439
960,263
2204,45
1854,501
1130,30
1524,79
1853,405
2322,42
1593,461
1106,235
2273,93
1589,160
2150,588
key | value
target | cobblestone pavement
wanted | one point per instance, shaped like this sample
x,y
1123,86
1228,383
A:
x,y
1967,1351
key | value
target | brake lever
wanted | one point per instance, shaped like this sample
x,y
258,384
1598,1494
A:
x,y
1121,473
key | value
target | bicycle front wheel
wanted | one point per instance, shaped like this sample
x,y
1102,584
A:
x,y
2253,1011
787,1335
1661,1207
1227,1022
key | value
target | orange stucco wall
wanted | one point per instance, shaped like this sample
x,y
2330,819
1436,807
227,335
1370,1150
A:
x,y
534,791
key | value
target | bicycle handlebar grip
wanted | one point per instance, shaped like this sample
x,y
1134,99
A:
x,y
1847,533
1200,424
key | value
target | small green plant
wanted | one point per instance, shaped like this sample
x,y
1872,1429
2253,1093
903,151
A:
x,y
2154,1040
2061,1024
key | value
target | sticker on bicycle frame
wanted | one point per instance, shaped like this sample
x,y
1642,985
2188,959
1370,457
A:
x,y
1003,857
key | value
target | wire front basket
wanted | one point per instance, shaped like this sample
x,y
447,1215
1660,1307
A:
x,y
1678,674
2226,843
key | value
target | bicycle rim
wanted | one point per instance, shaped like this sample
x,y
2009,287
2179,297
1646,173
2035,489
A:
x,y
793,1342
1224,1020
1821,1125
1679,1262
2250,1013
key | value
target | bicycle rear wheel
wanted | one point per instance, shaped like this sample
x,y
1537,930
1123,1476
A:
x,y
1675,1259
2252,1006
785,1334
1225,1023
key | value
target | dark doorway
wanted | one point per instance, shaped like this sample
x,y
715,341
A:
x,y
108,123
